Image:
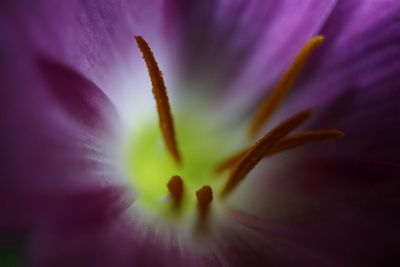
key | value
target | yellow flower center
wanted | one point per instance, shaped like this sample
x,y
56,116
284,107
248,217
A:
x,y
185,171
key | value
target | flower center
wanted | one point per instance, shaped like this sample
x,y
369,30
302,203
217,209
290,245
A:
x,y
175,172
154,171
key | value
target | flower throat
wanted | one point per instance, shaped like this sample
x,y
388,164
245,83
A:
x,y
179,171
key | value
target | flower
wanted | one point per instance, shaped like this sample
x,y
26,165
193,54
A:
x,y
75,98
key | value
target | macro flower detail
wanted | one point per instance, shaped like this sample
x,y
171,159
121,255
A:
x,y
199,133
184,190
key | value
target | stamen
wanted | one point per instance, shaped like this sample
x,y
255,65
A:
x,y
161,97
287,143
204,199
175,188
229,162
304,138
278,93
257,152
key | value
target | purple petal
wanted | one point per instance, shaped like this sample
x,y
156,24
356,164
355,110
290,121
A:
x,y
79,97
346,190
354,83
119,242
244,44
94,37
106,244
282,244
48,150
345,195
359,54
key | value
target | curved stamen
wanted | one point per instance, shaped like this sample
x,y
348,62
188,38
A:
x,y
287,143
204,199
175,188
278,93
161,97
257,152
304,138
230,161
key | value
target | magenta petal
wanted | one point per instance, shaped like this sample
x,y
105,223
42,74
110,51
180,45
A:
x,y
284,244
354,81
360,53
78,96
107,244
116,242
243,45
46,151
88,207
58,178
345,191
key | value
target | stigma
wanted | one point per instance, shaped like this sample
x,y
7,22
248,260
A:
x,y
186,170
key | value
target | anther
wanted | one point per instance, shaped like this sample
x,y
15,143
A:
x,y
278,93
204,199
257,152
175,188
161,97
